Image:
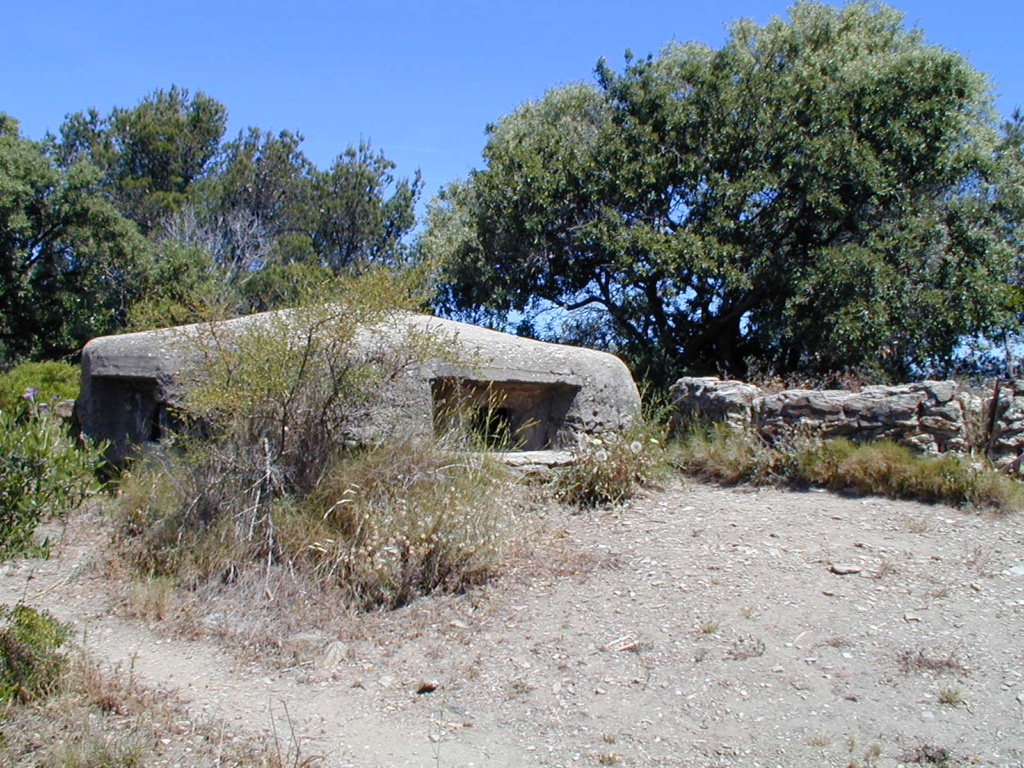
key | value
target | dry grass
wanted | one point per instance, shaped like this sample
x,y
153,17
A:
x,y
103,718
722,454
383,526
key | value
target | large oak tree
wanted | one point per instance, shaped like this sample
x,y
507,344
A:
x,y
816,194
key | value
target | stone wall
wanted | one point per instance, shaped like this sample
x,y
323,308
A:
x,y
1005,433
930,416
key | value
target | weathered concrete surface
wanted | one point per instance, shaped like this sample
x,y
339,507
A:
x,y
544,394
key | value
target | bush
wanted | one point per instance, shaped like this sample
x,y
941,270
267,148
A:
x,y
277,477
609,469
43,473
47,381
401,519
32,658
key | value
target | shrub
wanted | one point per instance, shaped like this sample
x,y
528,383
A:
x,y
610,468
401,519
48,381
277,475
43,473
32,657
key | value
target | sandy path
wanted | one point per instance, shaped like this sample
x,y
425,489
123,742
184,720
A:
x,y
697,626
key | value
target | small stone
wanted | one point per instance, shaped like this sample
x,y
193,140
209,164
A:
x,y
844,569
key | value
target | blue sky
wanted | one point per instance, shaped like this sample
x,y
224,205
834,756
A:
x,y
419,79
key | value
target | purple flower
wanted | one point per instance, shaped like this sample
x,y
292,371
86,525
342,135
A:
x,y
30,393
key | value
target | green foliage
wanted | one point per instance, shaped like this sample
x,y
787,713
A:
x,y
50,381
69,262
727,455
43,473
145,216
32,659
610,469
150,154
816,194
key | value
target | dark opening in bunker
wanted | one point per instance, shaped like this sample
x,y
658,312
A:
x,y
134,413
505,415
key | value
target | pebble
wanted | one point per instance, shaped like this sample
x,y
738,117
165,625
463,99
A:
x,y
844,569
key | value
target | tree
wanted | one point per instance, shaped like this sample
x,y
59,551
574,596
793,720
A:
x,y
360,212
150,154
816,194
69,262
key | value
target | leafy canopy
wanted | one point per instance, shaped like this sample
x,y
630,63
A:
x,y
69,261
814,195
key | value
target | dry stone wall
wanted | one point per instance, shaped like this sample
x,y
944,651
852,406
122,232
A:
x,y
930,416
1005,442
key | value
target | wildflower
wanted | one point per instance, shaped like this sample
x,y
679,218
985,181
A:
x,y
30,393
635,447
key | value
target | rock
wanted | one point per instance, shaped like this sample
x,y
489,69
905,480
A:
x,y
711,399
845,569
334,654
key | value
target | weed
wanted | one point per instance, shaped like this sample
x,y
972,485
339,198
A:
x,y
608,758
748,612
951,696
819,740
919,660
892,470
837,641
722,453
32,655
886,567
746,648
610,468
709,626
102,749
152,598
97,718
925,754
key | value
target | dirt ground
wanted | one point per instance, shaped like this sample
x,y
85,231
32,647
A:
x,y
696,626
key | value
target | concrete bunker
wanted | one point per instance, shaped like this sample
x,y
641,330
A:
x,y
515,393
